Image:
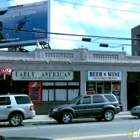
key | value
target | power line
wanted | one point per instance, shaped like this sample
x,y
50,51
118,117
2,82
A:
x,y
110,45
13,2
115,45
125,2
78,35
97,7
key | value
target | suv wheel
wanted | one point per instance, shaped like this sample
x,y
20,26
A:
x,y
15,120
108,115
66,117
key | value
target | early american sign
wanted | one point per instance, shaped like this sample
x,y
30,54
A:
x,y
42,75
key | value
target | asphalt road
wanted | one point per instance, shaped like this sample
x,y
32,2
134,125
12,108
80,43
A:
x,y
118,129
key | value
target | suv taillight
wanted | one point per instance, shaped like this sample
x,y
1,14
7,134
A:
x,y
118,104
31,107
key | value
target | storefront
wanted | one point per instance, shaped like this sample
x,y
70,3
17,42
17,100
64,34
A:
x,y
52,77
48,86
104,82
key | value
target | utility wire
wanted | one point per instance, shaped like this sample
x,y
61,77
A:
x,y
13,2
111,45
125,2
78,35
97,7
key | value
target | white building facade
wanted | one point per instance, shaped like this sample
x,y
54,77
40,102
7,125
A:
x,y
53,77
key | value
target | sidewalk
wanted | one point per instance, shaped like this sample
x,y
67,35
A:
x,y
46,118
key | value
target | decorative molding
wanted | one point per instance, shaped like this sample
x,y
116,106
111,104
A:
x,y
83,55
106,56
59,55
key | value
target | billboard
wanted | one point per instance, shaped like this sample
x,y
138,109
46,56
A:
x,y
25,24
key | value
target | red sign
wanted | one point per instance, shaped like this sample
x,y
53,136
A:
x,y
35,89
90,92
5,70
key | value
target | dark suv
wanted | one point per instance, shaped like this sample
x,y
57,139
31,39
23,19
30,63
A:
x,y
98,106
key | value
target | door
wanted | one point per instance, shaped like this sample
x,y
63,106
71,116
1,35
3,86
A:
x,y
100,89
5,107
98,105
82,107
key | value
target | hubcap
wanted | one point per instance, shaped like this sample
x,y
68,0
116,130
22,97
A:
x,y
108,115
66,118
15,120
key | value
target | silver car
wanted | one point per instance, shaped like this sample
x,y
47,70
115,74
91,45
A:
x,y
15,108
135,111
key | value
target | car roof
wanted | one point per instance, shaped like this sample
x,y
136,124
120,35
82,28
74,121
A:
x,y
13,94
101,94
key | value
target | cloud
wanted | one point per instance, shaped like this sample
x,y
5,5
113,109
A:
x,y
62,22
95,20
92,17
95,16
4,4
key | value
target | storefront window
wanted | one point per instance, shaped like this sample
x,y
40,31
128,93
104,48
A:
x,y
116,90
59,91
116,86
107,87
106,82
90,87
73,90
104,87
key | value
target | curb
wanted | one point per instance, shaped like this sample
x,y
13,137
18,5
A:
x,y
80,119
40,119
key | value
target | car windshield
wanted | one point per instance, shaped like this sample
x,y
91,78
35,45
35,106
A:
x,y
75,100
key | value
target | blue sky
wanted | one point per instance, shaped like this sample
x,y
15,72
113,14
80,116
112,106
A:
x,y
91,17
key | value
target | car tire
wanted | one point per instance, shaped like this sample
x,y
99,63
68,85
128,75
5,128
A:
x,y
15,120
66,117
98,118
108,115
2,138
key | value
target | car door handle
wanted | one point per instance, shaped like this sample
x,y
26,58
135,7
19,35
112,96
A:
x,y
9,106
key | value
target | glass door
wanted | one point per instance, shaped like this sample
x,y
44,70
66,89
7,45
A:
x,y
100,88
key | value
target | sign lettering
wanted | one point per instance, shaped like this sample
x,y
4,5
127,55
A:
x,y
42,75
104,75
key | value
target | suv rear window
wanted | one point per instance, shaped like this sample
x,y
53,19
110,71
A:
x,y
5,101
98,99
111,98
22,99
